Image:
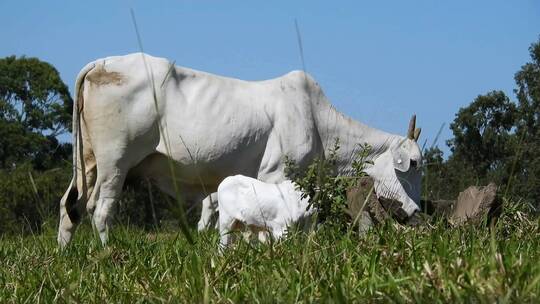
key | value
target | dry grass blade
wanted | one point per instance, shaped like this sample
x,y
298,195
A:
x,y
152,204
300,46
514,164
195,163
163,131
40,204
438,135
361,211
426,165
301,50
33,184
171,66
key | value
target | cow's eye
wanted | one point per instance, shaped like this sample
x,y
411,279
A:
x,y
414,163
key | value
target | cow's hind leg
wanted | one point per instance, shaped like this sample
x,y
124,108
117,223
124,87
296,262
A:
x,y
106,193
71,212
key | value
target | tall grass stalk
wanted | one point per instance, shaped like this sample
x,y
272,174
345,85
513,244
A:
x,y
179,210
425,177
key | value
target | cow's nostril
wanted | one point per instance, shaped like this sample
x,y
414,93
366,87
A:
x,y
414,163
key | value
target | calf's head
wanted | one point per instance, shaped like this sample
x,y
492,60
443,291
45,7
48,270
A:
x,y
397,174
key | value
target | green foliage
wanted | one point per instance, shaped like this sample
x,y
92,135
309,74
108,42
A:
x,y
528,92
326,191
483,147
525,180
483,137
495,140
29,198
431,264
35,107
435,172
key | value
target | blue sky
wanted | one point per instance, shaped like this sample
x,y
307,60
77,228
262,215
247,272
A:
x,y
378,61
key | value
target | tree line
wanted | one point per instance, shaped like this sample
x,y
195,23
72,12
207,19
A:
x,y
494,139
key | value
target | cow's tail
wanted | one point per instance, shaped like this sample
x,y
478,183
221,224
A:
x,y
76,193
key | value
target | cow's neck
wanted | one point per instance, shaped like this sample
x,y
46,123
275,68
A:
x,y
332,124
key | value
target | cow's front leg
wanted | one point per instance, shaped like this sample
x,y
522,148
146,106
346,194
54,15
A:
x,y
208,213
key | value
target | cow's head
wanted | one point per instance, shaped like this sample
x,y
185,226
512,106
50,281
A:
x,y
397,172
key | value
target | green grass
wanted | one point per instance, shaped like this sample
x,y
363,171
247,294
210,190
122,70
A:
x,y
391,263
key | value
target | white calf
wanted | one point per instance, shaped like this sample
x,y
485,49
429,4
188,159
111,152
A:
x,y
263,208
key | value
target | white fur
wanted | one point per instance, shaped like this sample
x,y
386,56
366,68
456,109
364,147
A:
x,y
261,207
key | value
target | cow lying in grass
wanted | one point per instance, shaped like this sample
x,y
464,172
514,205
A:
x,y
263,209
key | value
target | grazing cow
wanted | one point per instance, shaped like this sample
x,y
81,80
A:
x,y
262,208
138,115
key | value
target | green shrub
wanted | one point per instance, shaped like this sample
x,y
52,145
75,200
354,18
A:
x,y
28,198
328,192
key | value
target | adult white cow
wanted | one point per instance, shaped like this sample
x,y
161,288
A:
x,y
134,113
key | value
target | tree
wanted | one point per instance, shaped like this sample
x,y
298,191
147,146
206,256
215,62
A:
x,y
528,92
483,148
494,140
484,139
35,107
526,172
435,175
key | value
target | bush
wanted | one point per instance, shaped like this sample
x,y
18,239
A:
x,y
328,192
28,198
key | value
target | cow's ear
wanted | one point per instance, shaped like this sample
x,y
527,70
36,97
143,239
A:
x,y
402,160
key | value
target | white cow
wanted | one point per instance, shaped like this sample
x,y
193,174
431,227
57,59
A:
x,y
262,208
138,115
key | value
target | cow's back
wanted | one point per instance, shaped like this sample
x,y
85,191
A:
x,y
234,126
212,126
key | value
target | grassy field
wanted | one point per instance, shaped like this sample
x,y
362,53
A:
x,y
391,263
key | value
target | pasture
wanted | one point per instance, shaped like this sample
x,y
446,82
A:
x,y
392,263
148,134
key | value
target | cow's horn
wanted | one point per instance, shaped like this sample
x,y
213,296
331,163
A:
x,y
412,126
417,132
